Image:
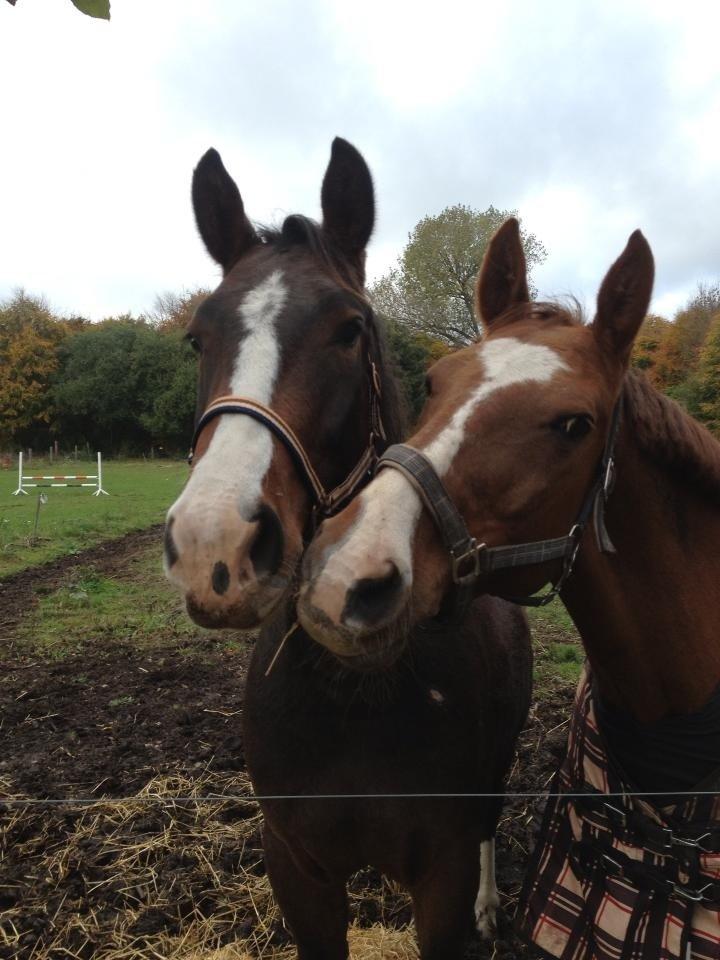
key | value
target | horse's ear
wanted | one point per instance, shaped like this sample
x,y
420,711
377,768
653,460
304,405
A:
x,y
348,202
219,213
502,281
624,297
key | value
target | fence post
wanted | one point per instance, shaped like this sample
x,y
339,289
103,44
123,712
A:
x,y
20,476
99,478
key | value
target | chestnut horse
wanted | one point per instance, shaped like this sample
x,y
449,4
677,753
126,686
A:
x,y
295,399
566,468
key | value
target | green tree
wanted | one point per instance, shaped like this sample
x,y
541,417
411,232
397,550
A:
x,y
94,389
124,385
165,370
431,288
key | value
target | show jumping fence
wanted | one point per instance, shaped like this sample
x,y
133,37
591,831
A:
x,y
25,481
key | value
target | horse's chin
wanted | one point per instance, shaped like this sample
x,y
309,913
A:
x,y
239,616
363,650
384,657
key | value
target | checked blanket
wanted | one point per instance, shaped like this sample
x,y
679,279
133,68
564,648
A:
x,y
614,878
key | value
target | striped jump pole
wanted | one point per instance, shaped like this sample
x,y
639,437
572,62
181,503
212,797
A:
x,y
25,481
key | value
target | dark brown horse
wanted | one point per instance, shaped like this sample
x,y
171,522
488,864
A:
x,y
567,468
294,391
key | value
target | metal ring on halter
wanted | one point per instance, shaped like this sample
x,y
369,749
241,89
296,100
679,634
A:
x,y
469,558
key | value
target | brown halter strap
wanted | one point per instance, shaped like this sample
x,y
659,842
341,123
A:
x,y
326,502
470,559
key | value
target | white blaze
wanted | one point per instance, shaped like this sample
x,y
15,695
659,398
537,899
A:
x,y
506,362
231,470
390,507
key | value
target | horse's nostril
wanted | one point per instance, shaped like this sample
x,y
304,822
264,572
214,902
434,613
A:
x,y
171,553
220,578
266,552
371,600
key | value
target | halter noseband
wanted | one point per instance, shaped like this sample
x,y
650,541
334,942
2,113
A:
x,y
325,502
470,559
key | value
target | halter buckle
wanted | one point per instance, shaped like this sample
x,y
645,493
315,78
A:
x,y
466,566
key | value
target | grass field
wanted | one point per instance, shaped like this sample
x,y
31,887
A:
x,y
140,492
142,608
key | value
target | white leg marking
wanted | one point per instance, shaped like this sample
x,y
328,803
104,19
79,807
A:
x,y
487,899
390,507
232,468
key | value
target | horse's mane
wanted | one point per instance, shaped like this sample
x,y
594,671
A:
x,y
663,430
670,437
567,314
298,230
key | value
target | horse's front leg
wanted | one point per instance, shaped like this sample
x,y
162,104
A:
x,y
315,912
488,898
443,902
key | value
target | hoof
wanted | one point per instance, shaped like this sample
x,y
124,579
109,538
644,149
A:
x,y
486,920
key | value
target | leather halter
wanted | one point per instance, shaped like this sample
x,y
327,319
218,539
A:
x,y
470,559
325,502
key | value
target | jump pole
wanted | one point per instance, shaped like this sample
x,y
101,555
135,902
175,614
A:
x,y
20,477
30,480
99,478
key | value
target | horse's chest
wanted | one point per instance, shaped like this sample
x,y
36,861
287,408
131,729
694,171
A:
x,y
420,736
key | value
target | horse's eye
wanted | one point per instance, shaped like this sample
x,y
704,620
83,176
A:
x,y
574,427
348,333
194,342
428,386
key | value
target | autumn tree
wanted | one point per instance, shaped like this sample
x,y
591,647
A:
x,y
29,339
651,335
708,377
430,290
678,353
174,311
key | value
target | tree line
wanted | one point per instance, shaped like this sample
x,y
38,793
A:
x,y
682,357
127,384
122,385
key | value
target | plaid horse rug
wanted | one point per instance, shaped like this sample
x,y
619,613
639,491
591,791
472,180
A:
x,y
614,878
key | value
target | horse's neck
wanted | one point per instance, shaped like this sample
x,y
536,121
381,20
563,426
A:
x,y
649,615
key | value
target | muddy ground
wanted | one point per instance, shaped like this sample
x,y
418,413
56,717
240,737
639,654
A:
x,y
157,877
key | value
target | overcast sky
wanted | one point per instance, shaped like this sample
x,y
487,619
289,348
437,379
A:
x,y
590,118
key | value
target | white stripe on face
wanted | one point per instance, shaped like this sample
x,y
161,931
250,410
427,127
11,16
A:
x,y
506,362
231,471
390,507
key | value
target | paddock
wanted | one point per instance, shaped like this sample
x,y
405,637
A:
x,y
132,708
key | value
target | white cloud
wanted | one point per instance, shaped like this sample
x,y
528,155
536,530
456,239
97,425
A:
x,y
591,119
